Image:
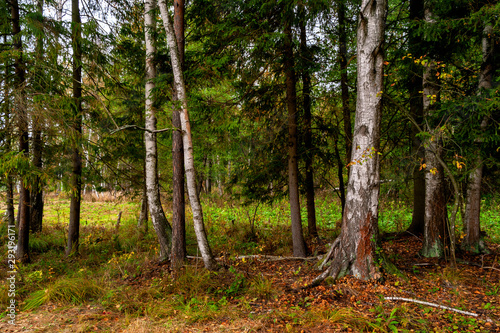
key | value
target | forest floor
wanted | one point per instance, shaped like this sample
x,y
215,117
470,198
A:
x,y
257,294
347,305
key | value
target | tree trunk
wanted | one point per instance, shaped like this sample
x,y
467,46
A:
x,y
180,89
11,220
142,224
299,247
76,177
354,251
179,205
24,194
473,241
160,223
344,80
308,157
36,195
417,113
435,219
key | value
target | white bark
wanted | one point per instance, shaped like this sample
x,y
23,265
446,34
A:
x,y
180,89
160,223
354,252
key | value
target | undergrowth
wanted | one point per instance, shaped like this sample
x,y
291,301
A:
x,y
118,261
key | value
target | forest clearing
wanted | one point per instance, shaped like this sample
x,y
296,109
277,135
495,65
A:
x,y
117,285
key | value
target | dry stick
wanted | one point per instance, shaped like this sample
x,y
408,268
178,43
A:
x,y
142,129
436,306
264,258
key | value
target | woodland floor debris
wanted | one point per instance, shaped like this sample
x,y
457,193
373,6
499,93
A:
x,y
347,304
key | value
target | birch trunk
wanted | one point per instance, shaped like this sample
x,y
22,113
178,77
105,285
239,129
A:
x,y
160,223
354,251
473,241
180,89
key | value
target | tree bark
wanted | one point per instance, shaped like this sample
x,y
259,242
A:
x,y
24,195
142,224
76,176
435,219
180,89
417,113
178,209
11,220
299,248
309,155
160,223
346,110
36,195
354,251
473,240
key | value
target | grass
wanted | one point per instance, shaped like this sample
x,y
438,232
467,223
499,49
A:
x,y
130,282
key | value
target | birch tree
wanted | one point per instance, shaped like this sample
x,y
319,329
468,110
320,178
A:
x,y
354,251
160,223
180,90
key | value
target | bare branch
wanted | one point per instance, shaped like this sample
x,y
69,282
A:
x,y
143,129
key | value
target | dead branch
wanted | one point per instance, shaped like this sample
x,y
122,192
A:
x,y
142,129
436,306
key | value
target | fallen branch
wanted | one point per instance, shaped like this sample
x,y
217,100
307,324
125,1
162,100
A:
x,y
263,258
436,306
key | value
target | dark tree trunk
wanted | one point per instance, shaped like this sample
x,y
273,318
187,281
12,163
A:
x,y
142,224
473,240
24,195
36,194
355,250
346,110
160,223
178,210
417,113
76,160
11,221
308,157
299,248
435,220
340,173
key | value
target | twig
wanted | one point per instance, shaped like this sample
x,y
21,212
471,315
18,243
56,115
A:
x,y
490,267
143,129
436,306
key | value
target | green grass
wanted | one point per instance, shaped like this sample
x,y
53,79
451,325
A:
x,y
194,294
